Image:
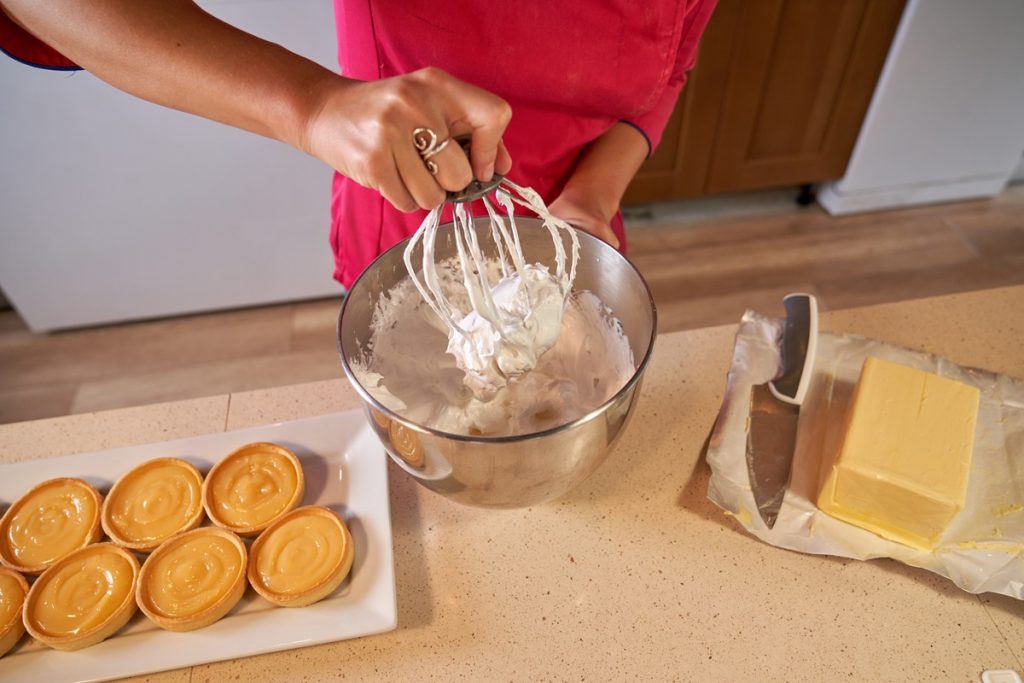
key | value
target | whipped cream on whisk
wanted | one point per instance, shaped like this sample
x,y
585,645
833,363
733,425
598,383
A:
x,y
406,368
513,319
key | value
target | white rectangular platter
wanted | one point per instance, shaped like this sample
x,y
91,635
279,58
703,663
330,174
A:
x,y
345,469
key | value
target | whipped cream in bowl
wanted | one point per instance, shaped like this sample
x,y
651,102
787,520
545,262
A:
x,y
491,354
495,414
501,312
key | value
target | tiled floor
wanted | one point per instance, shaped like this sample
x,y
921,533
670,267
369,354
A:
x,y
704,265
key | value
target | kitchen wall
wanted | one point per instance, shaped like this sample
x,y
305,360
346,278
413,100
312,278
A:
x,y
116,209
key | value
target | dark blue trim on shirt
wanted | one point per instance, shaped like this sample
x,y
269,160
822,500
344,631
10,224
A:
x,y
48,67
640,130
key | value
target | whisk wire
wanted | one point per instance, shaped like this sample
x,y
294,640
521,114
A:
x,y
501,341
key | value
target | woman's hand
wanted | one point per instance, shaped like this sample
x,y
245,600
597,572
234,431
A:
x,y
584,211
365,131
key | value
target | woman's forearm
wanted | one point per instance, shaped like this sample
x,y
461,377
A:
x,y
173,53
607,168
592,195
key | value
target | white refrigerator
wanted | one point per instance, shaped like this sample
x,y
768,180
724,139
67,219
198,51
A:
x,y
115,209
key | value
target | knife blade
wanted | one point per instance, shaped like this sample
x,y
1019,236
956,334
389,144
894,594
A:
x,y
775,408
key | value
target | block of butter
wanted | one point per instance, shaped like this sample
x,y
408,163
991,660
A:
x,y
901,470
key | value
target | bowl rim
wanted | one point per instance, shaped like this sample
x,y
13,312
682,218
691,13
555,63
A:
x,y
509,438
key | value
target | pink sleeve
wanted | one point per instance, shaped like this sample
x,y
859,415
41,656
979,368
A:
x,y
19,44
651,123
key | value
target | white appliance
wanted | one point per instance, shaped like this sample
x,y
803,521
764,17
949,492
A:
x,y
114,209
947,118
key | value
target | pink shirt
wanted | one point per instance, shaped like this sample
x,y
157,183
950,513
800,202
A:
x,y
569,69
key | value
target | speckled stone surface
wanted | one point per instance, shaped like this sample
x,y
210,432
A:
x,y
111,429
635,574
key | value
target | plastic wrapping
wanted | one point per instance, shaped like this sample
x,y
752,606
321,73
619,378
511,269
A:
x,y
981,550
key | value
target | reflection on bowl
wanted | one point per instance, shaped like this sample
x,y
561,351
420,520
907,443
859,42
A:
x,y
506,471
406,444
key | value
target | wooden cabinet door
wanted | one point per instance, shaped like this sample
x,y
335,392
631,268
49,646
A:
x,y
777,98
679,166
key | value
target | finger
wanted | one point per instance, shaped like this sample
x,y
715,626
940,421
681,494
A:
x,y
417,179
503,160
483,152
604,232
609,237
393,189
453,170
486,116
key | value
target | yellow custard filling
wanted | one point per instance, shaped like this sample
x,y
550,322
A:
x,y
51,521
80,595
253,486
193,575
299,554
154,501
12,596
406,443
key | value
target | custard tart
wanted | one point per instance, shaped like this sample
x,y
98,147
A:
x,y
153,502
301,558
52,520
250,488
84,598
406,443
13,589
193,579
380,419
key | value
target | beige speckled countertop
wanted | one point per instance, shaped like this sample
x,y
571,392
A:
x,y
634,575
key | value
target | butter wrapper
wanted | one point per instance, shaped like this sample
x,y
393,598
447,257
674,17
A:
x,y
981,551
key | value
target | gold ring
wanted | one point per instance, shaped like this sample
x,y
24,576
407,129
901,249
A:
x,y
427,145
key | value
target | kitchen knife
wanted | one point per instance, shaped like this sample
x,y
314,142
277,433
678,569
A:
x,y
775,408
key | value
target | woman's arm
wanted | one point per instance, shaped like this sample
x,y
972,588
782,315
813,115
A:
x,y
593,193
173,53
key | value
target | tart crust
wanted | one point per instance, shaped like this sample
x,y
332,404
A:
x,y
227,599
12,630
117,491
112,623
8,557
327,579
257,451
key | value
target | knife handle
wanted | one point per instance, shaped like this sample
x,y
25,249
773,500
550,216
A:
x,y
799,346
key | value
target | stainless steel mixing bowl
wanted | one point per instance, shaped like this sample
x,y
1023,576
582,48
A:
x,y
508,471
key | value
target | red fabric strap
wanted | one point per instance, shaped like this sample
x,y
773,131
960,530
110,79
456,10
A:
x,y
21,45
